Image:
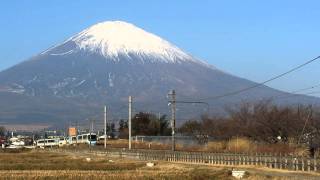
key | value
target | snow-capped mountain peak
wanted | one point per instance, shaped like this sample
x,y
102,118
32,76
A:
x,y
114,38
118,40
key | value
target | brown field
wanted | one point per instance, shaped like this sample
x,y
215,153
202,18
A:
x,y
34,164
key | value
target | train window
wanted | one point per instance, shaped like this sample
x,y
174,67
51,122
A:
x,y
85,136
93,137
40,141
74,138
51,141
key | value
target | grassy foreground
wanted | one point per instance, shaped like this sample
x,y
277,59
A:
x,y
44,165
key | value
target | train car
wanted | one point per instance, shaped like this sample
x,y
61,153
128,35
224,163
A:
x,y
89,138
42,143
72,140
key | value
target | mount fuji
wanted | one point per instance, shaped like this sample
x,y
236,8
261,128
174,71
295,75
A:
x,y
106,63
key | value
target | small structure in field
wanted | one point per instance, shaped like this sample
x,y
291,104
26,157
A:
x,y
238,174
150,164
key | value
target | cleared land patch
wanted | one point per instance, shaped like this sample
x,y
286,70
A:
x,y
49,165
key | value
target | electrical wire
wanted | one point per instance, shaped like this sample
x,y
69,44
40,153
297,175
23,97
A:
x,y
259,84
305,89
294,95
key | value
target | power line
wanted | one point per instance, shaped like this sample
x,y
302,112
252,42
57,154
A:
x,y
293,93
305,89
305,124
262,83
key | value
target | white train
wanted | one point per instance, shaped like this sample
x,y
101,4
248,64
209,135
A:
x,y
51,142
47,143
89,138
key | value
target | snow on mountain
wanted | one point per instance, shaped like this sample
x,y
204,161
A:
x,y
116,39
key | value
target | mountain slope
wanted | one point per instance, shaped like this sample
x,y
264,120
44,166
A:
x,y
106,63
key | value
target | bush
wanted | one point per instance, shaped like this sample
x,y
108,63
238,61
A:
x,y
216,146
240,145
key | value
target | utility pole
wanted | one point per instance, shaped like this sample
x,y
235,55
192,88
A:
x,y
105,127
90,130
77,132
44,137
93,124
129,120
68,128
159,119
173,117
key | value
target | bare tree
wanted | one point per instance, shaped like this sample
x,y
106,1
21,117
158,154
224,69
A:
x,y
261,121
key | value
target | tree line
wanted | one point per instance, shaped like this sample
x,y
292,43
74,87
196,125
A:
x,y
145,124
262,122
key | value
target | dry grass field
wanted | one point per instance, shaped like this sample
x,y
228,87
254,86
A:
x,y
238,145
44,165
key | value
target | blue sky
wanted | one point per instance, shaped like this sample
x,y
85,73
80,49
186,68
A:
x,y
251,39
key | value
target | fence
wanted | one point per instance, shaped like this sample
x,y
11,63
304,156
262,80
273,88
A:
x,y
262,160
